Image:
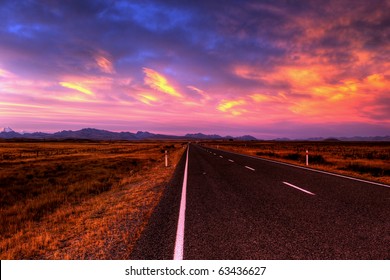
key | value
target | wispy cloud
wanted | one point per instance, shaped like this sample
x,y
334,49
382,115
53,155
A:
x,y
104,64
234,107
77,87
204,96
147,98
158,82
6,74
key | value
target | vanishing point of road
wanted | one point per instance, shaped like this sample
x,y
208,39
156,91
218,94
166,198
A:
x,y
222,205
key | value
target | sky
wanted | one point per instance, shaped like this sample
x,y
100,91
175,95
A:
x,y
270,69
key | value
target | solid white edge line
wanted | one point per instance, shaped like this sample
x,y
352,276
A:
x,y
310,169
250,168
298,188
179,244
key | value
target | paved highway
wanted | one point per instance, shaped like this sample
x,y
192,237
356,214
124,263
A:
x,y
239,207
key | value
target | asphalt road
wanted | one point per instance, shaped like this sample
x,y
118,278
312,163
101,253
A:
x,y
238,207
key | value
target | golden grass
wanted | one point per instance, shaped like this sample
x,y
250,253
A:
x,y
79,200
365,160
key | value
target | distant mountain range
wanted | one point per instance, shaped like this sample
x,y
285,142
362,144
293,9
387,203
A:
x,y
336,139
98,134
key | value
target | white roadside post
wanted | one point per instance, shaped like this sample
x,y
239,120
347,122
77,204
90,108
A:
x,y
166,158
307,157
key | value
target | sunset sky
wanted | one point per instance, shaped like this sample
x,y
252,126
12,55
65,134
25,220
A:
x,y
266,68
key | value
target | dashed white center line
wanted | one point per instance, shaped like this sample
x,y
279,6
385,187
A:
x,y
250,168
215,154
298,188
221,156
231,160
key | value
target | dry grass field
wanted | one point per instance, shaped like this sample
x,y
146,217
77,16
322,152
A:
x,y
69,200
366,160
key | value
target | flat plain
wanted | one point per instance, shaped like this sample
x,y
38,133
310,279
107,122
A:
x,y
79,200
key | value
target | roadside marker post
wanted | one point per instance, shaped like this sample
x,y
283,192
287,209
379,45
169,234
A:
x,y
166,158
307,157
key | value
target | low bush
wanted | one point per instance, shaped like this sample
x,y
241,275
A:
x,y
372,170
317,159
293,156
268,154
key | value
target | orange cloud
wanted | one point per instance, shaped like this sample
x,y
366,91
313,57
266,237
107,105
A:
x,y
311,91
232,106
302,76
349,100
336,92
104,64
77,87
377,81
297,76
258,98
158,82
147,98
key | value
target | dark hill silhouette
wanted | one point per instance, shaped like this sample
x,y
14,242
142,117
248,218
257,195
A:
x,y
98,134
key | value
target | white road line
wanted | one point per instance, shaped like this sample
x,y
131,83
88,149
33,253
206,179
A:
x,y
314,170
221,156
215,154
298,188
179,244
249,168
231,160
